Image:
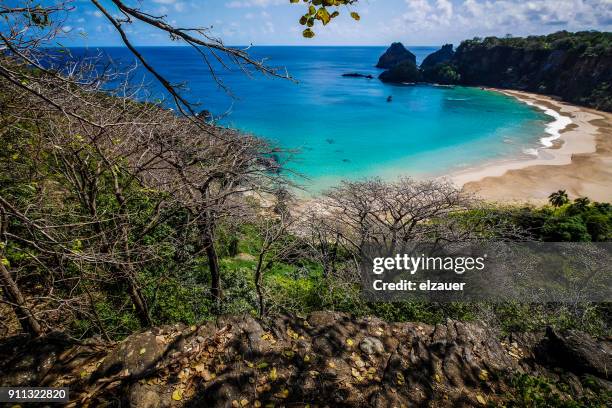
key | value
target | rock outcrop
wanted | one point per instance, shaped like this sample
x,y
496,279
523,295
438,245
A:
x,y
394,55
443,55
327,359
406,71
357,75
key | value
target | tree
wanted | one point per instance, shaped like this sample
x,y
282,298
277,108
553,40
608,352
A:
x,y
47,20
558,198
32,27
119,184
565,229
122,168
275,242
582,203
392,215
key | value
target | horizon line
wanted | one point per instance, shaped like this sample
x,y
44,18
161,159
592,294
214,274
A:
x,y
253,45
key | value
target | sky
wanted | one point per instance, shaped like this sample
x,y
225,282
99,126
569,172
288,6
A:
x,y
413,22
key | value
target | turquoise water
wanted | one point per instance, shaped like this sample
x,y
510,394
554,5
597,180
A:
x,y
344,128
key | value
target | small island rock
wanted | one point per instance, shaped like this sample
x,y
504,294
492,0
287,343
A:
x,y
396,54
357,75
406,71
444,54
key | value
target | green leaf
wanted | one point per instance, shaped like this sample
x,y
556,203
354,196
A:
x,y
355,16
323,15
308,33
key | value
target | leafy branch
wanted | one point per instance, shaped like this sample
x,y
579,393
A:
x,y
324,11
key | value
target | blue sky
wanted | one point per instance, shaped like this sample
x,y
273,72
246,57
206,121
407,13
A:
x,y
414,22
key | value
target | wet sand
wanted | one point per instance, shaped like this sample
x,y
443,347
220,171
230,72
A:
x,y
579,161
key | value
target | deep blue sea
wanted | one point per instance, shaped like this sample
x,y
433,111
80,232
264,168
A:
x,y
344,128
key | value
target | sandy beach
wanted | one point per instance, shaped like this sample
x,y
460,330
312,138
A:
x,y
575,156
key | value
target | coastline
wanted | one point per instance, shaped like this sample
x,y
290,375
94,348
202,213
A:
x,y
576,156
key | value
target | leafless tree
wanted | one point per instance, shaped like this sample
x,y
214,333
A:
x,y
360,216
277,241
135,151
34,25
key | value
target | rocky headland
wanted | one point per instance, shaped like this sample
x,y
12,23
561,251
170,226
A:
x,y
572,66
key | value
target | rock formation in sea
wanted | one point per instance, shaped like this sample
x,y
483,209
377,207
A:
x,y
443,55
357,75
405,71
577,67
394,55
437,67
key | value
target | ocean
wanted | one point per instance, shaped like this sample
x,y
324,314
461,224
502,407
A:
x,y
344,128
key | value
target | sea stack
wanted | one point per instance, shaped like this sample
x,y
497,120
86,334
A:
x,y
443,55
406,71
394,55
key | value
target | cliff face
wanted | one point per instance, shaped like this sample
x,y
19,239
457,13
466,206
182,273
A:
x,y
576,67
394,55
572,74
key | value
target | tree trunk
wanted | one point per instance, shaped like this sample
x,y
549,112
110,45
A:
x,y
213,264
258,289
140,305
28,322
207,231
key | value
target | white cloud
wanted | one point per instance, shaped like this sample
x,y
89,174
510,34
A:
x,y
446,9
440,19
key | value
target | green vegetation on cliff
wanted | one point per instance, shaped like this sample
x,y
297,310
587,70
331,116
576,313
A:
x,y
574,66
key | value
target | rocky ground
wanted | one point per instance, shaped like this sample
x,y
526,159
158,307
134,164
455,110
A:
x,y
326,359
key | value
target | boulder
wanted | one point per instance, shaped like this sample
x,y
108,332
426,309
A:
x,y
143,396
579,353
406,71
394,55
136,355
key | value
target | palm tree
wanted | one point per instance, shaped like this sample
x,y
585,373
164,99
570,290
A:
x,y
558,198
582,202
